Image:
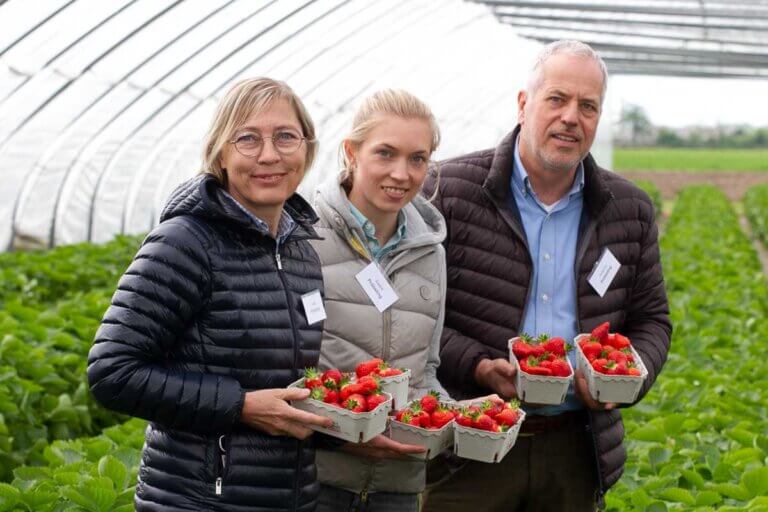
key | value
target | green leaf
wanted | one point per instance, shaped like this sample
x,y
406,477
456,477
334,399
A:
x,y
657,506
706,498
730,490
640,498
91,498
649,433
742,437
756,481
677,495
693,477
673,424
9,496
113,469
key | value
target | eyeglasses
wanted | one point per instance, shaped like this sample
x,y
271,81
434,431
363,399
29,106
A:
x,y
285,142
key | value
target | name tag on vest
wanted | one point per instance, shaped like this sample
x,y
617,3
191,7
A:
x,y
605,270
376,285
313,307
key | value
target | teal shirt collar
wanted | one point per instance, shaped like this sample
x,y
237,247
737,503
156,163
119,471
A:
x,y
369,230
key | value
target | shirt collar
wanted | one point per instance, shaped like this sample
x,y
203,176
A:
x,y
370,230
522,181
285,226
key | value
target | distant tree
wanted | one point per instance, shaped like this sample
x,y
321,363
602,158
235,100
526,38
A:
x,y
636,122
667,137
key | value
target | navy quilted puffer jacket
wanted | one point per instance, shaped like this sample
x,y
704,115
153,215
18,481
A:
x,y
202,315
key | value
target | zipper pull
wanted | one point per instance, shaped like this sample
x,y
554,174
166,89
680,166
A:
x,y
218,486
278,260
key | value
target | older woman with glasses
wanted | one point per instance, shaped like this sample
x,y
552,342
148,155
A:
x,y
209,323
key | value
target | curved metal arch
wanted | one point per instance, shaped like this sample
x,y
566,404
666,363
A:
x,y
37,26
100,180
126,77
37,169
137,179
69,47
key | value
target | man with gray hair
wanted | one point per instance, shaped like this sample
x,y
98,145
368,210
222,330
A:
x,y
528,222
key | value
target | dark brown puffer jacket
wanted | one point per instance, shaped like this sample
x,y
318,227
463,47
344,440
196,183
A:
x,y
489,273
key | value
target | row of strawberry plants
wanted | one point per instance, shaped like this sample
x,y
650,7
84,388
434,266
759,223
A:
x,y
756,210
653,192
47,276
43,390
699,440
95,474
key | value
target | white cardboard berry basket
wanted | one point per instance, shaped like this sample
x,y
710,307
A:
x,y
397,386
539,389
482,445
618,389
356,427
434,440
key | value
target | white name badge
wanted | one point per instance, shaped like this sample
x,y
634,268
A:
x,y
377,286
313,306
602,275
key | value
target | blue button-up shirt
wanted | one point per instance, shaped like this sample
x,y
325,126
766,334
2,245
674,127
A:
x,y
552,232
285,226
378,252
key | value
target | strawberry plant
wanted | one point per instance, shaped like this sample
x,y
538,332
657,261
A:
x,y
756,210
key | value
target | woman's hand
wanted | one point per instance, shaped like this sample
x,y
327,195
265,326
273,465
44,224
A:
x,y
268,410
382,447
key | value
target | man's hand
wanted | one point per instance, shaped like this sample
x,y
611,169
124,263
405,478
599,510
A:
x,y
268,410
582,391
498,375
382,447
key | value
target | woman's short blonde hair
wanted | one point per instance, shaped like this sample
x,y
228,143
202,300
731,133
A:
x,y
395,102
245,98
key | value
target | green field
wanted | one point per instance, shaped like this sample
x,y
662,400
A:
x,y
688,159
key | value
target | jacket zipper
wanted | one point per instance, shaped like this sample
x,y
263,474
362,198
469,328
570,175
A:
x,y
292,316
223,458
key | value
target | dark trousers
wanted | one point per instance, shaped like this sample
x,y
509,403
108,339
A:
x,y
333,499
548,471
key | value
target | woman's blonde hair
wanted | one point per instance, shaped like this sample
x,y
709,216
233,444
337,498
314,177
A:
x,y
396,102
245,98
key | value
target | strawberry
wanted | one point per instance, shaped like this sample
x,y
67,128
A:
x,y
560,368
421,414
389,372
331,378
441,416
599,364
349,388
464,418
522,348
633,370
485,422
556,346
312,378
507,417
430,401
618,356
331,396
374,400
591,349
318,393
600,333
409,419
532,366
620,341
490,408
355,403
368,384
366,367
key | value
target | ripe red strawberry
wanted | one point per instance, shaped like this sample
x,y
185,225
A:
x,y
349,388
423,416
556,346
618,356
368,384
441,416
465,417
355,403
331,396
591,349
507,417
633,370
485,422
600,333
331,378
619,341
409,419
430,401
560,368
490,408
366,367
399,414
312,378
533,366
389,372
599,364
374,400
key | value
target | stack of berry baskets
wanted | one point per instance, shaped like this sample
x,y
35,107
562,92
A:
x,y
426,422
613,368
543,370
393,380
486,431
357,407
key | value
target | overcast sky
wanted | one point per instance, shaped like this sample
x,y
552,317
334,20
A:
x,y
670,101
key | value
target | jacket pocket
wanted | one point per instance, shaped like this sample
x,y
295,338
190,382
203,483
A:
x,y
222,463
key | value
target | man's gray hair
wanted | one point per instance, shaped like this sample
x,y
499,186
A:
x,y
569,47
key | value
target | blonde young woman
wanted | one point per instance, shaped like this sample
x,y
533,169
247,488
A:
x,y
373,212
207,326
